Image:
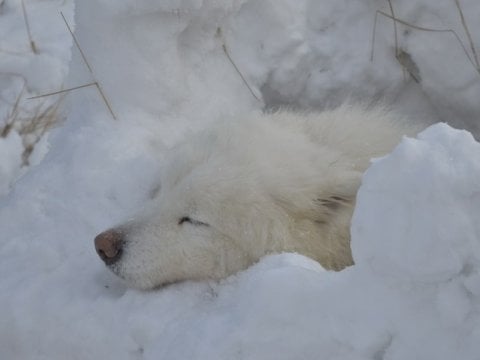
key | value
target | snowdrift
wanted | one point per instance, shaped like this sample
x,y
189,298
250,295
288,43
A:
x,y
414,291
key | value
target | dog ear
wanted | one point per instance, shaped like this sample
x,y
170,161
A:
x,y
319,207
319,221
321,197
330,204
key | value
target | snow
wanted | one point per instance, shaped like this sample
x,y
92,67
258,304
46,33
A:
x,y
438,241
26,72
414,291
10,148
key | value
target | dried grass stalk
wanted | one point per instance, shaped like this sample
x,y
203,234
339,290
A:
x,y
31,122
27,27
421,28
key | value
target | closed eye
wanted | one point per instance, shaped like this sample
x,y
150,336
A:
x,y
186,219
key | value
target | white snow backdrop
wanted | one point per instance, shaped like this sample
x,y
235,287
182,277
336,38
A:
x,y
415,289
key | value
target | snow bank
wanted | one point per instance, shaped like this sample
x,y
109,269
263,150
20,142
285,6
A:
x,y
431,234
414,291
168,58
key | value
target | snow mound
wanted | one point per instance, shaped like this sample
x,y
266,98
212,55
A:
x,y
413,293
417,212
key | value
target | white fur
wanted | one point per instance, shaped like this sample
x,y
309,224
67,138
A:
x,y
263,183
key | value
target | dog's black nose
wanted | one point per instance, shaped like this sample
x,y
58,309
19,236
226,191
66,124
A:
x,y
109,246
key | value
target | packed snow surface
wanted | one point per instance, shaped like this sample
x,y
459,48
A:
x,y
166,69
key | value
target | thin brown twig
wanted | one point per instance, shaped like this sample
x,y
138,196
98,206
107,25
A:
x,y
395,34
30,123
62,91
374,32
467,31
12,116
37,125
76,43
105,100
94,83
225,50
97,85
219,34
17,101
421,28
43,119
27,26
394,26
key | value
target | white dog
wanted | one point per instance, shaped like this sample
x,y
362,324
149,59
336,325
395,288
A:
x,y
251,186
